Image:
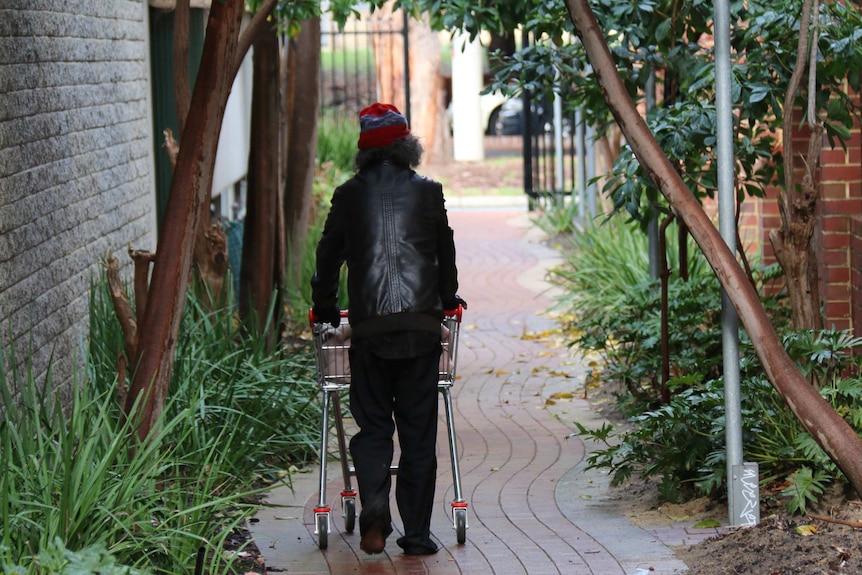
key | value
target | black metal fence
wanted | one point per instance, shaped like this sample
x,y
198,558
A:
x,y
552,157
351,58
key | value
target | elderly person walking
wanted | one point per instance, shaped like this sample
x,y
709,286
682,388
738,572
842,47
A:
x,y
389,225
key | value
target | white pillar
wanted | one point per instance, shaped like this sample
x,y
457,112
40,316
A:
x,y
467,81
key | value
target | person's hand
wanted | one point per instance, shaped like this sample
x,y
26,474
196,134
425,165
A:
x,y
454,303
327,314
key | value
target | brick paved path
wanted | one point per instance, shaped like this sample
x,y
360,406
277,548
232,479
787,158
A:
x,y
532,510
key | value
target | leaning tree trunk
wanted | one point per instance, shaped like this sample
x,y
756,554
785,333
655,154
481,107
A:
x,y
825,425
190,188
258,270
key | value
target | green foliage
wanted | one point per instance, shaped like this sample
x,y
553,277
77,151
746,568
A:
x,y
805,486
616,312
227,378
614,309
78,491
662,36
55,559
81,478
337,135
682,442
558,215
299,294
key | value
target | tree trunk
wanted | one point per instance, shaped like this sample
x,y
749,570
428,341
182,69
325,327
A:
x,y
389,56
189,190
303,71
793,241
427,96
259,244
825,425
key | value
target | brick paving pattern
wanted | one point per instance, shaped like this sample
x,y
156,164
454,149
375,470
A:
x,y
533,510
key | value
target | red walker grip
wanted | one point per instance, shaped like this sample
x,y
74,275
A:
x,y
456,313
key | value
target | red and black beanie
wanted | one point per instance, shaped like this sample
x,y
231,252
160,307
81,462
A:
x,y
380,125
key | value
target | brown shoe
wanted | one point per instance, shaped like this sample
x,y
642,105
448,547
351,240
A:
x,y
373,540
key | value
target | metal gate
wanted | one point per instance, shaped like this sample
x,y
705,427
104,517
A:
x,y
351,58
558,152
550,151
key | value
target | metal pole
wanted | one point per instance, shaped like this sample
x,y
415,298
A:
x,y
580,138
558,138
406,32
652,226
592,201
743,501
527,144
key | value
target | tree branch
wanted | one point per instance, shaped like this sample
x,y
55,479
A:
x,y
246,39
789,100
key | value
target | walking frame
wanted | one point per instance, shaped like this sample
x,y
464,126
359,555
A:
x,y
331,347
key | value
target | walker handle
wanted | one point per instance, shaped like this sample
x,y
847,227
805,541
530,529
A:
x,y
456,313
312,319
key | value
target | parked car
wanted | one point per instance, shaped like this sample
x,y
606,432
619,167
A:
x,y
509,118
503,116
490,106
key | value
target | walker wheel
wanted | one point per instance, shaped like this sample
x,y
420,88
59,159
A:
x,y
461,525
321,527
348,505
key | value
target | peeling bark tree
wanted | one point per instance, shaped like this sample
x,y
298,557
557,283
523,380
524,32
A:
x,y
427,98
793,241
826,426
427,95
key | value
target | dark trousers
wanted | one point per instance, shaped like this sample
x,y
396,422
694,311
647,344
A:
x,y
383,387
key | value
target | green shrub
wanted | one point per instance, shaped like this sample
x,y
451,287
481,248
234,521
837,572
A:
x,y
614,309
79,479
682,442
77,486
337,135
299,294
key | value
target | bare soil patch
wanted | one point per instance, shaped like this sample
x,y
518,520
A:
x,y
784,545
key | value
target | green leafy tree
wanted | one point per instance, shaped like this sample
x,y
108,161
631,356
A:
x,y
831,432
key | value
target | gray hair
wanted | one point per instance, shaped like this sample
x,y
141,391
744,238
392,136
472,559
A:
x,y
407,153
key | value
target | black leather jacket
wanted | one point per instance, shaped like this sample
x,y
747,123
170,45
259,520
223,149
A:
x,y
390,225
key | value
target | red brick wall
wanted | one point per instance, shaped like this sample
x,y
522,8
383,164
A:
x,y
856,273
840,203
839,208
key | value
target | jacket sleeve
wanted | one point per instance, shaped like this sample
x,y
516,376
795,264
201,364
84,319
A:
x,y
330,258
448,272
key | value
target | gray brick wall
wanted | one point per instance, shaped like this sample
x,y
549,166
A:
x,y
75,164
